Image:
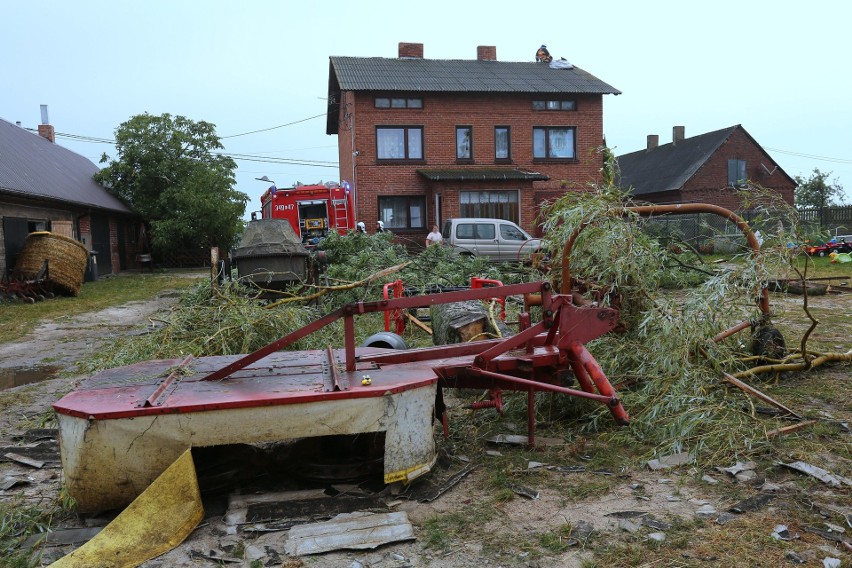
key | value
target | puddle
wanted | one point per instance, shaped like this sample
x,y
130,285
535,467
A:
x,y
10,378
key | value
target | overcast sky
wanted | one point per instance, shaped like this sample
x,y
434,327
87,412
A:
x,y
780,68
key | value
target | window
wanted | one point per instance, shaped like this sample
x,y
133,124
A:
x,y
403,211
399,143
464,142
554,105
502,143
737,173
398,102
512,233
490,204
553,142
476,231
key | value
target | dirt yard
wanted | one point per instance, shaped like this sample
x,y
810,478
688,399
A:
x,y
546,510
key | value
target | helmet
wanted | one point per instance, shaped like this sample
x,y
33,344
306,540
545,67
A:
x,y
380,225
361,226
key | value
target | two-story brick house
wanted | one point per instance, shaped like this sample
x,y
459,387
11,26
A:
x,y
708,168
423,140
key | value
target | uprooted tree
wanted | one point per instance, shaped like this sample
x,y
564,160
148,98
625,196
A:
x,y
671,375
168,170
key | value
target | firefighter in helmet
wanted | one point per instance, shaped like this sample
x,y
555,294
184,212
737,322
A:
x,y
360,227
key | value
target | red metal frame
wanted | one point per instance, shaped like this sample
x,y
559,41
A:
x,y
394,290
536,359
476,282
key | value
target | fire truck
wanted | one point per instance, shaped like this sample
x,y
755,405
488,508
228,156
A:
x,y
312,210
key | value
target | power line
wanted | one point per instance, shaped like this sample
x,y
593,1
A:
x,y
273,127
243,157
286,161
811,156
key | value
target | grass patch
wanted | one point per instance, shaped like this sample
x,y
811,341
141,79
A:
x,y
442,530
18,319
18,521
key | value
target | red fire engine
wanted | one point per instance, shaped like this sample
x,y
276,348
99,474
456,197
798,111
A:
x,y
313,210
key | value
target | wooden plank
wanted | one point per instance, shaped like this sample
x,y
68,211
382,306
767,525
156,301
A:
x,y
788,429
419,323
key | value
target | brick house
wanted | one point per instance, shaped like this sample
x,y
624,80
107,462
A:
x,y
708,168
422,140
45,187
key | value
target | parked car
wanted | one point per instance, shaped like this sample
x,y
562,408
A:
x,y
496,239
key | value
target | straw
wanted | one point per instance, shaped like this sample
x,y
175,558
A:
x,y
66,259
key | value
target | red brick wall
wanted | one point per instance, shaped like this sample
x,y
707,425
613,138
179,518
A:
x,y
710,182
440,115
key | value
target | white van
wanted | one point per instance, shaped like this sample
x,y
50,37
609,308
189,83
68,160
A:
x,y
497,239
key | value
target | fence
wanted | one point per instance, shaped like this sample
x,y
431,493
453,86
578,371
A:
x,y
836,220
707,232
191,258
711,233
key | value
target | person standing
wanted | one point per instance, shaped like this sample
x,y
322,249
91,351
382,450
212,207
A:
x,y
434,238
360,227
380,227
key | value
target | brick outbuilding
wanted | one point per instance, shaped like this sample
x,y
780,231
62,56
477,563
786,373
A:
x,y
708,168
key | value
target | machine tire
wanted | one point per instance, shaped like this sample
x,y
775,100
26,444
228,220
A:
x,y
385,340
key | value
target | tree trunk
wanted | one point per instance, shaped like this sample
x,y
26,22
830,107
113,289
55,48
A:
x,y
461,322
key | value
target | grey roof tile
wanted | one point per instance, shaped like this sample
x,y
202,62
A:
x,y
669,166
32,166
458,76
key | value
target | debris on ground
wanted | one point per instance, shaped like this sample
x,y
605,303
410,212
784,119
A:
x,y
519,440
155,522
357,531
751,504
817,472
781,532
523,491
673,460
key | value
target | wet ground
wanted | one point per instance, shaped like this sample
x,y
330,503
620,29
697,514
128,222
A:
x,y
39,370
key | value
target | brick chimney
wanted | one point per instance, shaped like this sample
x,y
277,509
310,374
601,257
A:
x,y
486,53
47,131
653,142
677,134
410,50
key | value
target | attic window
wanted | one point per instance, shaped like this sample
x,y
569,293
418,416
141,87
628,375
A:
x,y
737,173
554,105
398,102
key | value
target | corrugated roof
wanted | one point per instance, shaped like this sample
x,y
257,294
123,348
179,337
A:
x,y
32,166
669,166
461,76
414,75
480,174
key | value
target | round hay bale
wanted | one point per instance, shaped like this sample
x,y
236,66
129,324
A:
x,y
66,261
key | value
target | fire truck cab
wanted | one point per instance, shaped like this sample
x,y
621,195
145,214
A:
x,y
312,210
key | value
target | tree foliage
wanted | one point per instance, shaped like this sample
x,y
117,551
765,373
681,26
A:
x,y
168,170
817,192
